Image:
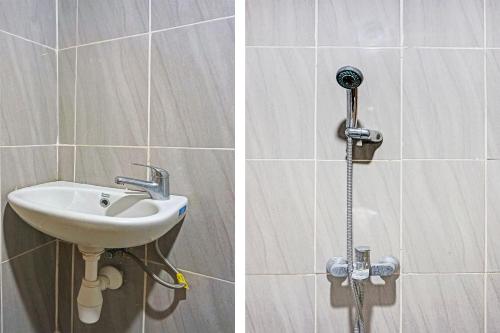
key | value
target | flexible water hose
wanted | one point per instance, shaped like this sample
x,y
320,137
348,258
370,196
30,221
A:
x,y
153,275
356,286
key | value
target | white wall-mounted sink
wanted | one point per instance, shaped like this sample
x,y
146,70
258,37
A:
x,y
78,213
96,218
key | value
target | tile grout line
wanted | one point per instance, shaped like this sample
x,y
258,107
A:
x,y
77,38
401,102
1,255
285,274
1,283
136,147
191,272
57,90
56,291
28,251
279,47
356,47
72,284
315,214
195,23
240,165
148,161
32,146
56,297
206,276
57,24
374,160
28,40
485,92
148,154
144,290
141,34
365,47
116,146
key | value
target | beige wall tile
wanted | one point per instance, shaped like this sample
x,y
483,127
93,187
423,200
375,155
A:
x,y
279,303
279,217
443,216
280,22
192,81
358,23
112,93
280,103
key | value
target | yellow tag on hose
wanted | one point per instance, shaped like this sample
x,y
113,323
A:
x,y
182,280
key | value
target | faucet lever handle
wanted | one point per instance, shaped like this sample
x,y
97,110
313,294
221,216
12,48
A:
x,y
157,172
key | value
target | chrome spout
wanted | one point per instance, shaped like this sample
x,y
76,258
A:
x,y
158,187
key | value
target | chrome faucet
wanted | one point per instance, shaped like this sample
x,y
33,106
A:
x,y
158,187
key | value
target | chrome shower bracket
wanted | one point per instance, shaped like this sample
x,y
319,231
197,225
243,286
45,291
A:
x,y
364,134
362,268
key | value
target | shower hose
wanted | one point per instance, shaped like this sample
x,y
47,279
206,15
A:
x,y
356,286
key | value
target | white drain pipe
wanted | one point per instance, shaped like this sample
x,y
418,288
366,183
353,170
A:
x,y
89,298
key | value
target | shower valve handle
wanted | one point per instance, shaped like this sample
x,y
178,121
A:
x,y
386,266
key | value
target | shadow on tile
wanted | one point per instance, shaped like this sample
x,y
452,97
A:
x,y
208,305
18,236
28,291
362,153
176,297
376,295
166,242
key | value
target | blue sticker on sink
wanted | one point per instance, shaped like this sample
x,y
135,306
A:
x,y
182,210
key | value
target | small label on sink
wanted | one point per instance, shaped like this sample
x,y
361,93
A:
x,y
182,210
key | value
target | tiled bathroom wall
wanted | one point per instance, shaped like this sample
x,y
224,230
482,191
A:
x,y
426,195
152,82
28,155
89,87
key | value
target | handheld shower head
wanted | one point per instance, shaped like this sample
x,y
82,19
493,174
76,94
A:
x,y
349,77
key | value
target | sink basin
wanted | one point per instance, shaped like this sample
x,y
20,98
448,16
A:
x,y
96,216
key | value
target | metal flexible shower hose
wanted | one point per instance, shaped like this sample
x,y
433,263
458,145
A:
x,y
356,286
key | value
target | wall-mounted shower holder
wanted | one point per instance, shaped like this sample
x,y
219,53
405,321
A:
x,y
362,268
364,134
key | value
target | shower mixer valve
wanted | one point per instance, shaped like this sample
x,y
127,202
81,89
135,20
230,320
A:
x,y
362,268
